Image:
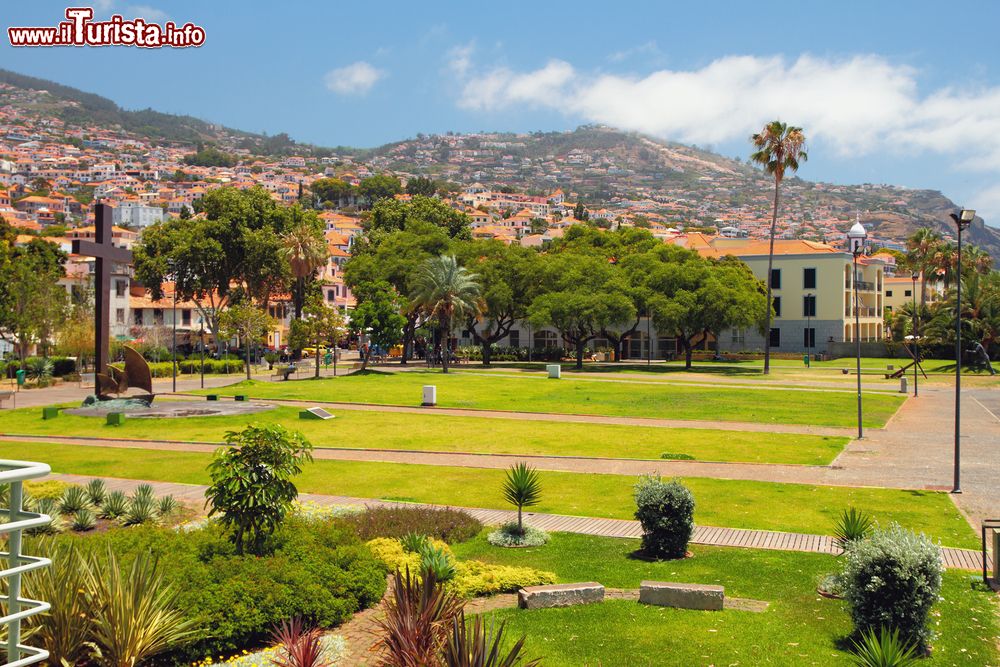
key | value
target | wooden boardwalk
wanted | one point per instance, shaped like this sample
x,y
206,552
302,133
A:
x,y
959,559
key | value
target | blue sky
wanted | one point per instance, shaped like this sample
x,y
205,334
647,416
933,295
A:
x,y
896,92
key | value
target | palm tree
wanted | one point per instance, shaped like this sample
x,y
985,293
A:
x,y
445,290
779,148
306,251
522,489
922,246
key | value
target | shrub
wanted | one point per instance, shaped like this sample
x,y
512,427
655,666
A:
x,y
318,571
84,520
50,507
417,619
510,535
166,505
96,492
62,366
252,485
298,645
666,512
522,488
114,505
448,525
50,488
891,579
475,645
883,649
66,628
143,491
852,526
74,499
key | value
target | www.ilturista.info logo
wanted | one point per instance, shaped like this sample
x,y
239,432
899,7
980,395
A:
x,y
80,30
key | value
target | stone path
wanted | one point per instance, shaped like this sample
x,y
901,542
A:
x,y
708,535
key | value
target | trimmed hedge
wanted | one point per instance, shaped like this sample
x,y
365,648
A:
x,y
891,579
164,369
666,512
449,525
317,570
61,366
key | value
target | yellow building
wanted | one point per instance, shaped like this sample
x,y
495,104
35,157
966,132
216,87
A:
x,y
813,289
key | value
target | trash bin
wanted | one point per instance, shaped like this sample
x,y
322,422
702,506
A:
x,y
19,374
805,359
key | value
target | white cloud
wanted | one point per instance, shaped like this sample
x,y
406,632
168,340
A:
x,y
460,59
354,79
149,14
648,49
859,105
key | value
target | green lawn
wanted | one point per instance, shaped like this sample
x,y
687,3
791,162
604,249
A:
x,y
798,628
731,503
388,430
535,394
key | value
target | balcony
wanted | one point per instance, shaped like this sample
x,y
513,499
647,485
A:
x,y
863,311
863,286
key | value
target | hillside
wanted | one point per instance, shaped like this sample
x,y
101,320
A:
x,y
624,172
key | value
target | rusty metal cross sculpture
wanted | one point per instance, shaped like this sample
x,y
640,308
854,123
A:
x,y
106,256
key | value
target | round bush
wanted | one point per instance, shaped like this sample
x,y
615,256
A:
x,y
890,580
508,535
666,512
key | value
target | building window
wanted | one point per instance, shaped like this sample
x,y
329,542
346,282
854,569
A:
x,y
119,288
775,278
809,305
120,316
777,306
906,293
186,317
514,338
808,278
546,339
158,316
331,295
738,336
888,293
775,337
809,337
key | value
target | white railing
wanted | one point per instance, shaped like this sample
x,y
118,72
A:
x,y
13,474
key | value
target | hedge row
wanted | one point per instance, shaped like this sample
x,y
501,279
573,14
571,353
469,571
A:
x,y
60,366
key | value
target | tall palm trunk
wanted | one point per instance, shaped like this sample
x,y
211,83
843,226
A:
x,y
445,331
767,278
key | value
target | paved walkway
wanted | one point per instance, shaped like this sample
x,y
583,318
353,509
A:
x,y
708,535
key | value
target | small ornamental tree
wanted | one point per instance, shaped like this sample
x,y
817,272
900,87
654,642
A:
x,y
891,579
666,512
252,485
522,489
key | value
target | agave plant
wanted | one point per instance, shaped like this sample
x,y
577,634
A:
x,y
143,491
114,505
298,645
166,505
852,526
73,500
84,520
134,613
479,646
414,543
522,489
96,492
418,616
140,510
65,629
883,649
49,506
436,560
40,370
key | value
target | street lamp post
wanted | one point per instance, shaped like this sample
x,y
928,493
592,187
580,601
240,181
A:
x,y
856,238
201,344
916,349
962,220
174,351
809,337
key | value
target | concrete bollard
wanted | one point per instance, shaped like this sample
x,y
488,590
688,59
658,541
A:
x,y
902,384
430,395
555,371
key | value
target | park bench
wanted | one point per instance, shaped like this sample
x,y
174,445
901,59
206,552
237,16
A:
x,y
284,371
559,595
5,396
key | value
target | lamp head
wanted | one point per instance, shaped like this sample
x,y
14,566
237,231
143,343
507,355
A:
x,y
964,217
914,276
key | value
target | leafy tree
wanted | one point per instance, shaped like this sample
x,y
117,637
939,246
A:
x,y
580,212
444,290
210,157
378,316
236,245
248,323
421,185
508,275
333,190
252,486
32,303
379,187
305,249
185,213
779,149
320,324
391,215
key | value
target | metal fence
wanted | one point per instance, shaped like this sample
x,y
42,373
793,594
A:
x,y
16,521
